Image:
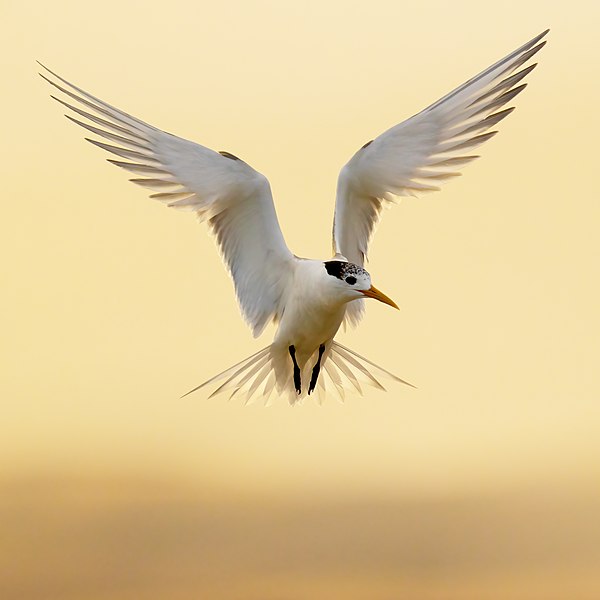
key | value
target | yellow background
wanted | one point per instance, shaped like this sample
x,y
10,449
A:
x,y
483,483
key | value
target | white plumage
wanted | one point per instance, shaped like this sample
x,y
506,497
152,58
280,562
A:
x,y
309,299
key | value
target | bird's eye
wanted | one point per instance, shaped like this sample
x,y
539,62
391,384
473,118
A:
x,y
351,280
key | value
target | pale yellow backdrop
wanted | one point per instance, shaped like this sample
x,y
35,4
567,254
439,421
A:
x,y
113,306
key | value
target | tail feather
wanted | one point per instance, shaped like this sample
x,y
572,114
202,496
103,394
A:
x,y
260,377
342,353
269,387
247,372
343,370
231,372
343,367
339,347
335,379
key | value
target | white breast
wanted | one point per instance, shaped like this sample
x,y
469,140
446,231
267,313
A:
x,y
312,314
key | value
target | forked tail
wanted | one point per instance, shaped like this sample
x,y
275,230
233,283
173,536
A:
x,y
270,370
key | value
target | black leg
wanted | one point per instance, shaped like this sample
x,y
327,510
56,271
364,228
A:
x,y
316,370
297,383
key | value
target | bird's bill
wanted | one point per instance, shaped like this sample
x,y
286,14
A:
x,y
373,292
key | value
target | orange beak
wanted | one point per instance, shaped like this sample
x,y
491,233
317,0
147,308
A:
x,y
373,292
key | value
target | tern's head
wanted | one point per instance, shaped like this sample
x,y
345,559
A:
x,y
354,282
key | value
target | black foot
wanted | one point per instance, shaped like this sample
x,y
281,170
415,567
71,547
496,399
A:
x,y
297,383
316,370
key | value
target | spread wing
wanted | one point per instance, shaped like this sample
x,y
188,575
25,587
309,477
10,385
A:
x,y
422,152
234,199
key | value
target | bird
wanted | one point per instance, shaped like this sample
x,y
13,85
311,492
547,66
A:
x,y
307,299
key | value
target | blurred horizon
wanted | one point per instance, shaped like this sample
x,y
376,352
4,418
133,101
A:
x,y
141,537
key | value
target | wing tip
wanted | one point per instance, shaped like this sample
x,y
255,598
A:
x,y
41,64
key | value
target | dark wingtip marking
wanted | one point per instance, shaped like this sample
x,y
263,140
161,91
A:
x,y
228,155
367,144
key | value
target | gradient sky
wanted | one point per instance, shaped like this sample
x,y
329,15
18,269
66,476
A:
x,y
113,305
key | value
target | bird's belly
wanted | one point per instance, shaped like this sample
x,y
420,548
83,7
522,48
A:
x,y
306,326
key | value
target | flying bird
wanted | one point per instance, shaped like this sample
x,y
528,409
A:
x,y
307,299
